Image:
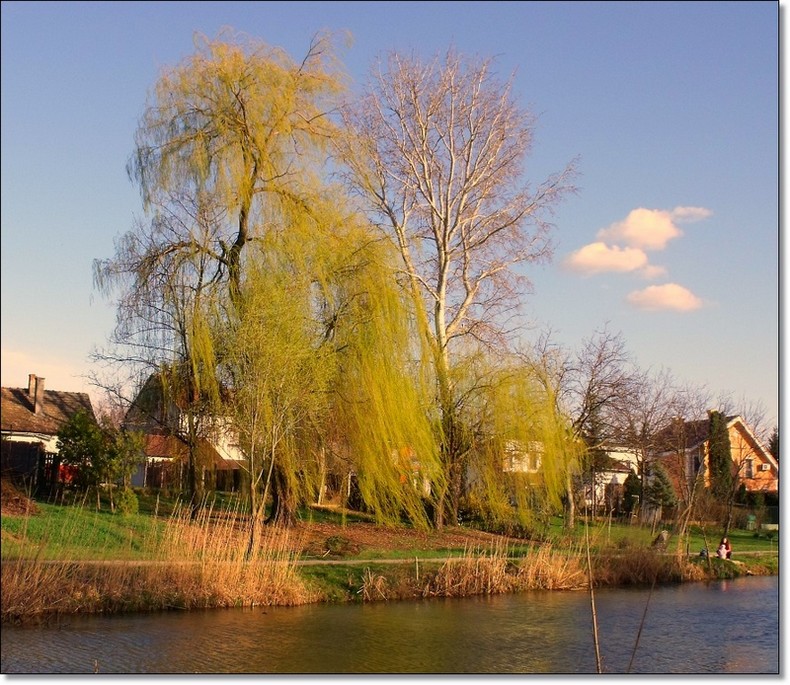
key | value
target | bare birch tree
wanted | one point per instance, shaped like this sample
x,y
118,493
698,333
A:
x,y
438,156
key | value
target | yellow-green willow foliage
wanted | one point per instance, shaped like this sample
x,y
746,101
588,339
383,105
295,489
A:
x,y
522,451
233,116
279,377
317,356
243,122
382,397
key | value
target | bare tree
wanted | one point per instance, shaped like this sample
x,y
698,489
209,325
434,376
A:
x,y
753,412
550,364
589,388
642,420
438,155
164,274
686,468
598,383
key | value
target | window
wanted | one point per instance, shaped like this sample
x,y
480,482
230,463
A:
x,y
749,470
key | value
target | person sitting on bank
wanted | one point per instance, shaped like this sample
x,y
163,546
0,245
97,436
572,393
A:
x,y
725,549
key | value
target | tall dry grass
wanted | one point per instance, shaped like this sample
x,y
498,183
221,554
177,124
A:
x,y
200,563
480,571
489,571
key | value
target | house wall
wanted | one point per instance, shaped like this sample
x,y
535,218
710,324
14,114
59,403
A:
x,y
225,441
50,442
609,482
744,449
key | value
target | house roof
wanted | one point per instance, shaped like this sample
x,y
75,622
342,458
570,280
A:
x,y
687,434
17,413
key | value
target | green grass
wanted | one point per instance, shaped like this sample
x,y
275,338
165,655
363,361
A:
x,y
77,531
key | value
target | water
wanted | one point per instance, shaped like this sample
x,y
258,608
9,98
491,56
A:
x,y
694,628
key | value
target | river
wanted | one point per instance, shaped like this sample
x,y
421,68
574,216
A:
x,y
693,628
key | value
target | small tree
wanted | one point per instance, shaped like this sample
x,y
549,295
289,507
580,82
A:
x,y
660,492
632,492
773,443
99,453
81,446
125,451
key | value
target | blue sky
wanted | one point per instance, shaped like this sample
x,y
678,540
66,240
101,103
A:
x,y
671,108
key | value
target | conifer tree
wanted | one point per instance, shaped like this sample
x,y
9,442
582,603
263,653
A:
x,y
632,492
720,464
660,492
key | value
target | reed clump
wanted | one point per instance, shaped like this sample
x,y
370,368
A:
x,y
635,566
200,562
479,571
493,571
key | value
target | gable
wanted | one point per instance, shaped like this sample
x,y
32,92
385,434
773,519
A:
x,y
744,444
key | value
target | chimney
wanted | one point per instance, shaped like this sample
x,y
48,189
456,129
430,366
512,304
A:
x,y
38,405
31,386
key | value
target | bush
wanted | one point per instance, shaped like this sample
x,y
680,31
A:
x,y
126,502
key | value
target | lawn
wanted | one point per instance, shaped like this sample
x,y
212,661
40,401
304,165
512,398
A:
x,y
78,531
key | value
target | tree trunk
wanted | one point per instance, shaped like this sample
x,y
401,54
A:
x,y
570,509
284,501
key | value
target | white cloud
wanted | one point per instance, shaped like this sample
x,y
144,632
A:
x,y
690,214
599,257
667,296
651,229
651,271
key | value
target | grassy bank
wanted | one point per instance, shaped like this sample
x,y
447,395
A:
x,y
73,559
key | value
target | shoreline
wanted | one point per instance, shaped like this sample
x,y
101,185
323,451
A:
x,y
121,587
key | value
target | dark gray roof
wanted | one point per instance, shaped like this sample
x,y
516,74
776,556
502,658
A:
x,y
17,412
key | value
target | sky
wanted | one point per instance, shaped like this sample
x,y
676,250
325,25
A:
x,y
670,109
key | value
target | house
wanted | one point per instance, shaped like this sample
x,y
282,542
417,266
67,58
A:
x,y
164,423
604,491
520,458
685,456
30,419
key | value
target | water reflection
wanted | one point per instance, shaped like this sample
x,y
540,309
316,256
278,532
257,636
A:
x,y
725,627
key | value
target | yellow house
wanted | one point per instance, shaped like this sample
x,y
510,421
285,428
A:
x,y
685,456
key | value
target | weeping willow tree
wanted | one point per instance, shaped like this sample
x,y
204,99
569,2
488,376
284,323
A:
x,y
243,122
316,357
382,410
522,448
235,130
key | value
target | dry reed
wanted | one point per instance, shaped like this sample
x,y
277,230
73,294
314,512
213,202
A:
x,y
198,563
493,571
